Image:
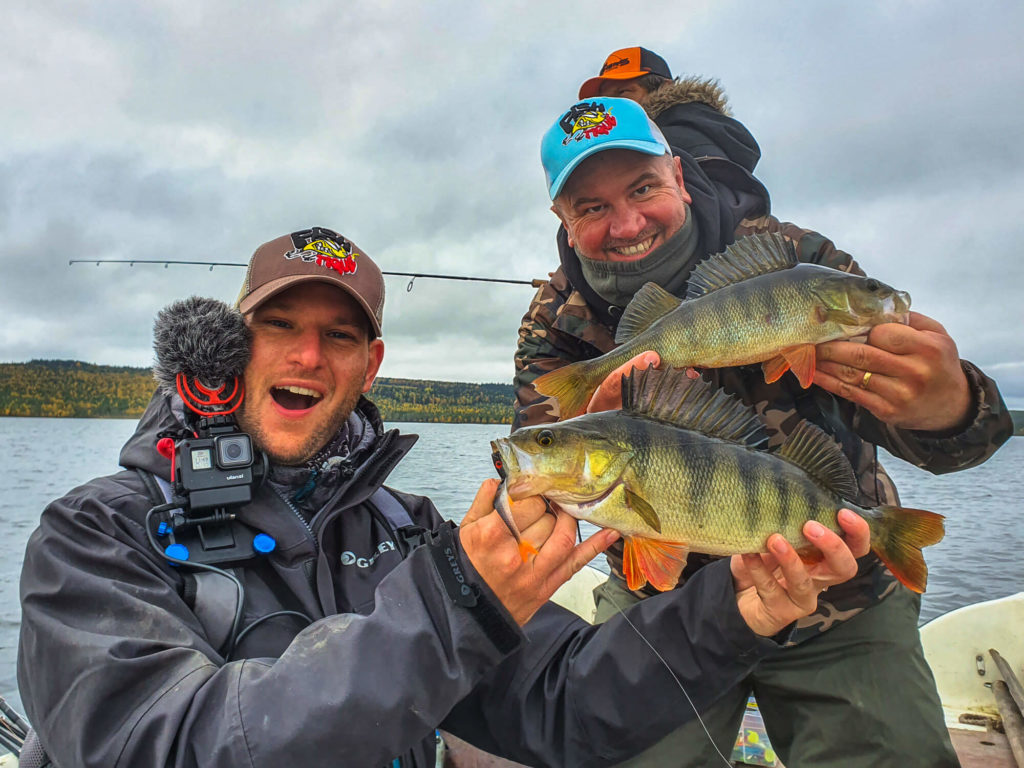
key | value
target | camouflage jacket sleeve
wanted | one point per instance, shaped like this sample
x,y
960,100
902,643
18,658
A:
x,y
556,330
990,424
988,428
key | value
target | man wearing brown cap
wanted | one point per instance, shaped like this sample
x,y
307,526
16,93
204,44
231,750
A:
x,y
366,621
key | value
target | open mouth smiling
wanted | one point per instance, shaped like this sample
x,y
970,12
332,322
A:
x,y
295,398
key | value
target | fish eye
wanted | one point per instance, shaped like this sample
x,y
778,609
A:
x,y
545,437
872,284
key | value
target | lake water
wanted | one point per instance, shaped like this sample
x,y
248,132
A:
x,y
42,459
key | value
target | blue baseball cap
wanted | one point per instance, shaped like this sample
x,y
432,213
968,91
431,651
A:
x,y
594,125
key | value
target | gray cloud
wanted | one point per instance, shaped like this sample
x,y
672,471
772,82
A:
x,y
182,131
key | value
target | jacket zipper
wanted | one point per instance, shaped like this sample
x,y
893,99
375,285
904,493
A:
x,y
309,566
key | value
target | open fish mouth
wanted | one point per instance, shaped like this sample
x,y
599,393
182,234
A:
x,y
898,307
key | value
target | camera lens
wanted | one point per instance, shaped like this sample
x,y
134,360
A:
x,y
234,451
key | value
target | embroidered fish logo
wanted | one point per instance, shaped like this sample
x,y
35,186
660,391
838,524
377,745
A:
x,y
585,121
325,252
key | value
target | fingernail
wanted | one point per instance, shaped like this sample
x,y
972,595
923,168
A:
x,y
777,545
814,530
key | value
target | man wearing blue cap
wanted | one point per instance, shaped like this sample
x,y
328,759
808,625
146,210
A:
x,y
852,687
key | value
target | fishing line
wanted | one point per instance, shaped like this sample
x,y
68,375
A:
x,y
661,658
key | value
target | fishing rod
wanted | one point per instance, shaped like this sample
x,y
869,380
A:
x,y
211,264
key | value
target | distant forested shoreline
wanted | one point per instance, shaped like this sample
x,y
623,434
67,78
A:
x,y
72,389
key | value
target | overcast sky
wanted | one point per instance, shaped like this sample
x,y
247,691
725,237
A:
x,y
173,130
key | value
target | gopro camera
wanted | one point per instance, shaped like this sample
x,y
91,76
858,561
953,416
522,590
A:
x,y
216,471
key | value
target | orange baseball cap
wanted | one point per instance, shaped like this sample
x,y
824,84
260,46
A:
x,y
626,64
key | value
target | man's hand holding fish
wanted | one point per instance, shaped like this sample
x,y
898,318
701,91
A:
x,y
908,376
777,588
524,585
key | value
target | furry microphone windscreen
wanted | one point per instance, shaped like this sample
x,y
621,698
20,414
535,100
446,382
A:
x,y
203,339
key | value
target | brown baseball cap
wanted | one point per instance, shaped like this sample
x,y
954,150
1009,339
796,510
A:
x,y
317,254
626,64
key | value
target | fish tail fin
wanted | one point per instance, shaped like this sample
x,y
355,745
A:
x,y
572,385
897,536
649,560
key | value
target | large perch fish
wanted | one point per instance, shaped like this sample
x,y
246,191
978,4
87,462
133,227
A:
x,y
754,303
684,466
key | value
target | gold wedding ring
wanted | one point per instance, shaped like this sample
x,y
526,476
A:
x,y
864,382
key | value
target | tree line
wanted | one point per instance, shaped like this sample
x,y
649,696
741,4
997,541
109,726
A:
x,y
72,389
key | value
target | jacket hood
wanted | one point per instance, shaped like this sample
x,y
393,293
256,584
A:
x,y
686,91
694,115
162,413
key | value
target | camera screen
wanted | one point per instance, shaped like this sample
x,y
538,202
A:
x,y
202,459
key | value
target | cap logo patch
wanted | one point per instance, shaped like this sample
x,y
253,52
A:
x,y
325,249
610,65
585,121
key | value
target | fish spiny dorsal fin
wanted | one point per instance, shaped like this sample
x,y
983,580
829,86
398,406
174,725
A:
x,y
748,257
648,305
673,398
821,457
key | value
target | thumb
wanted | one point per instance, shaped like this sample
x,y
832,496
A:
x,y
483,502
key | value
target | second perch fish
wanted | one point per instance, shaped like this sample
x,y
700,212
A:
x,y
754,303
683,466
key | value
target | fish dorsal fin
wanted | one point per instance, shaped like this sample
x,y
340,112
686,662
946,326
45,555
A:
x,y
748,257
671,397
648,305
821,457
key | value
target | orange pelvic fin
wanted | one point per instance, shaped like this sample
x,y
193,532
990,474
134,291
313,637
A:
x,y
810,555
799,359
650,560
897,540
773,368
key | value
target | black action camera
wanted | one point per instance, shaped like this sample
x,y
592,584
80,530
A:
x,y
217,469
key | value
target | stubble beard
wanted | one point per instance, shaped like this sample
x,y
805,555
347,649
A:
x,y
316,440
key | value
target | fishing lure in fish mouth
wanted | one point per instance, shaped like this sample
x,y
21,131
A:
x,y
503,505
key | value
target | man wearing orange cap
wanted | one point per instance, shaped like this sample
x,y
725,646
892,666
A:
x,y
692,112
